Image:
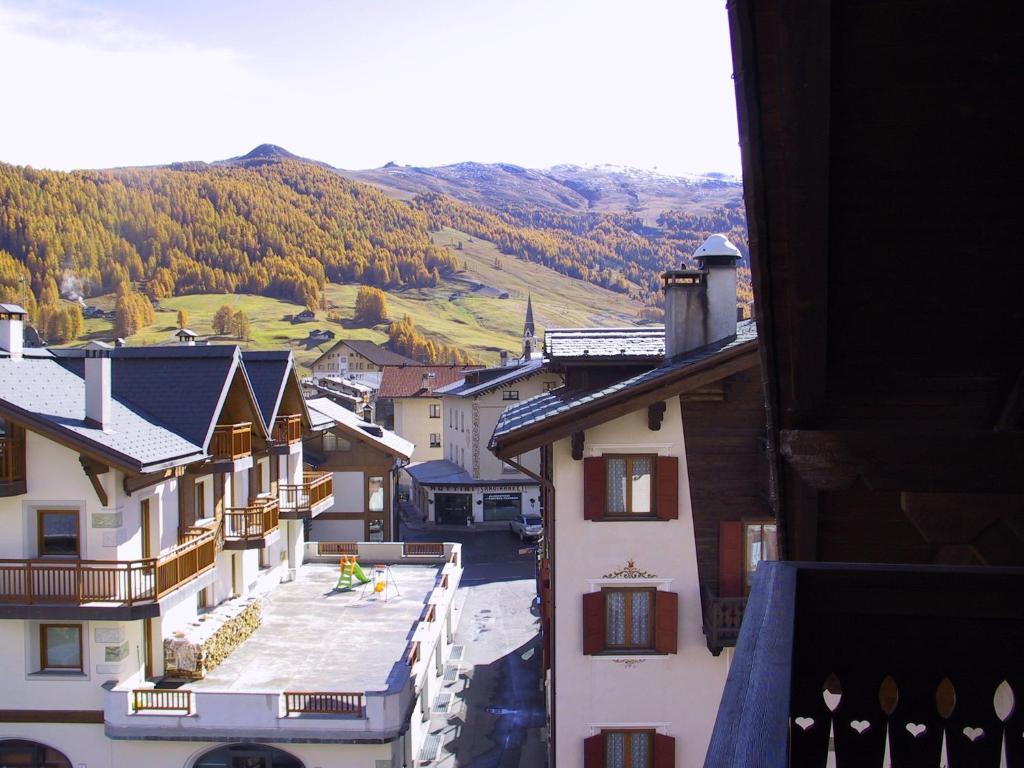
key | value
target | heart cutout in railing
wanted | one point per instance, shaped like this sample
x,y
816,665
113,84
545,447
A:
x,y
804,722
860,725
916,729
974,733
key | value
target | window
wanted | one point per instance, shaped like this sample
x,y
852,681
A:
x,y
760,542
630,482
628,620
30,754
451,417
626,747
58,533
435,439
510,394
60,647
247,756
375,494
462,421
435,411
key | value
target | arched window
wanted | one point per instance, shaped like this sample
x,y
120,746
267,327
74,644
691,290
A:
x,y
247,756
30,754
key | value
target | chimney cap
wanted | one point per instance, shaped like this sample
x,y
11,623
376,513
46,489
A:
x,y
717,245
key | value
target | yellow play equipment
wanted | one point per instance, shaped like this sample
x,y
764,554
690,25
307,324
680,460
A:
x,y
350,569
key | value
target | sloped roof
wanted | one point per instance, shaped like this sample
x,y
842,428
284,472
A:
x,y
444,472
50,398
389,441
269,373
565,407
375,353
486,380
613,344
407,380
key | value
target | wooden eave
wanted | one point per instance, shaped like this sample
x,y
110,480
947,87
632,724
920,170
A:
x,y
685,379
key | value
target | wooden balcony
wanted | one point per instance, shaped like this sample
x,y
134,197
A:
x,y
104,585
231,441
722,619
299,501
248,527
875,665
287,430
12,464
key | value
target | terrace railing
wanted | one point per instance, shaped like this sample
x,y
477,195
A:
x,y
252,522
287,429
323,703
161,700
232,441
299,500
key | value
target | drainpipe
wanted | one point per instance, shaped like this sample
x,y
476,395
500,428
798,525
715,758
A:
x,y
395,517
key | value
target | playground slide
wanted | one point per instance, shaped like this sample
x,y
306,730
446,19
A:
x,y
358,572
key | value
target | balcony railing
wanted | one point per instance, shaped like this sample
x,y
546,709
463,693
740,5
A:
x,y
251,523
12,463
722,619
287,429
870,666
299,500
232,441
161,700
323,703
77,582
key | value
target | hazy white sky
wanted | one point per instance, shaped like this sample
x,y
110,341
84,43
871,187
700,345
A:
x,y
358,83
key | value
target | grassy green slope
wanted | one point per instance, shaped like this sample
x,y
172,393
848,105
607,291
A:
x,y
475,320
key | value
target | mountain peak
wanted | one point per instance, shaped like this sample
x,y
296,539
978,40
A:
x,y
266,151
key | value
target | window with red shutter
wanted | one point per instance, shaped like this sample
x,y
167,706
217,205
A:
x,y
730,559
664,751
629,621
667,476
593,752
666,622
593,488
593,622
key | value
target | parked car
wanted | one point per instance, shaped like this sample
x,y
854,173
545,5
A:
x,y
527,526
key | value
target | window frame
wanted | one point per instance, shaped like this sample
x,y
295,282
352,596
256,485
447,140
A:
x,y
435,410
628,733
435,443
629,514
510,394
41,512
746,524
629,646
44,666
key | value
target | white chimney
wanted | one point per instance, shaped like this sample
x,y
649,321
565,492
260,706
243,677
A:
x,y
97,388
12,329
700,305
503,356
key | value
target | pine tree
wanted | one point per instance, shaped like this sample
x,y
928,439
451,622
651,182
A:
x,y
241,326
371,306
222,319
182,318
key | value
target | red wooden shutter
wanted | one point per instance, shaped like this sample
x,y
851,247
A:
x,y
593,622
664,751
666,505
730,559
593,752
666,621
593,488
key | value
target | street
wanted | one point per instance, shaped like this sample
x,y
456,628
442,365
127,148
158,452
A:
x,y
495,712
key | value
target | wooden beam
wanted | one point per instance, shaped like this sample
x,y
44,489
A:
x,y
940,462
133,483
93,469
655,415
578,440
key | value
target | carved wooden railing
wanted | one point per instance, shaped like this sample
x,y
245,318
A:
x,y
422,549
871,666
252,522
287,429
77,582
299,500
161,700
12,459
337,548
722,619
323,703
232,441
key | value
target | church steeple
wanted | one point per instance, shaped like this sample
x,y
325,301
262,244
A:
x,y
529,331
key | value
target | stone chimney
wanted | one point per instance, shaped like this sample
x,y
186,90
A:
x,y
12,329
428,381
700,304
97,388
503,356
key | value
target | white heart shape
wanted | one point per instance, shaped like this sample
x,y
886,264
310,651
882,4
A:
x,y
916,729
974,733
860,725
804,722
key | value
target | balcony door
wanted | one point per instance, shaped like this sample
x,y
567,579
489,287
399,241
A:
x,y
146,529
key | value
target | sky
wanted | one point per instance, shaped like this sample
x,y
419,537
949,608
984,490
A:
x,y
359,83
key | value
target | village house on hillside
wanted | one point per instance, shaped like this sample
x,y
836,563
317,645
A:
x,y
357,359
408,403
653,490
158,594
469,484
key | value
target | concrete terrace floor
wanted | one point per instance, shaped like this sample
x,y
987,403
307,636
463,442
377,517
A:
x,y
314,638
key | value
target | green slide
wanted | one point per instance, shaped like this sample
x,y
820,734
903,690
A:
x,y
349,570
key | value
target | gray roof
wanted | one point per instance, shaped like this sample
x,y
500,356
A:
x,y
268,375
393,443
51,398
444,472
597,343
564,400
488,379
375,353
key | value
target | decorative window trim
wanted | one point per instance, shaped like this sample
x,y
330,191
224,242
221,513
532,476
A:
x,y
597,450
595,585
659,726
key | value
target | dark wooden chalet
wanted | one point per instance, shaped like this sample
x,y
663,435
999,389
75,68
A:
x,y
882,186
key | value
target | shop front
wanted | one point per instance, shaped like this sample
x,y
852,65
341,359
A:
x,y
502,506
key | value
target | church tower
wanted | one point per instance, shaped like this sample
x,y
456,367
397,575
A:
x,y
529,331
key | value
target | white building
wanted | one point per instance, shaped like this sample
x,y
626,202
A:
x,y
151,499
646,482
